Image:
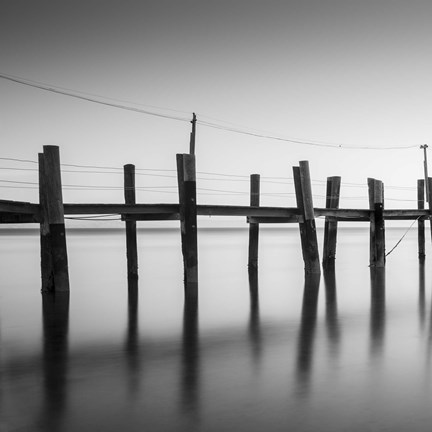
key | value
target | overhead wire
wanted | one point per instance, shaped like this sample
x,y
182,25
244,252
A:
x,y
239,130
82,96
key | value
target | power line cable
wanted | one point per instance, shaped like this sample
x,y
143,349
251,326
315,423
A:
x,y
298,141
238,130
73,94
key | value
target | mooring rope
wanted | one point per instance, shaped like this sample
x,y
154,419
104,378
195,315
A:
x,y
406,232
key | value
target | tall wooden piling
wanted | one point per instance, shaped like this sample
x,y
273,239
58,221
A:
x,y
371,194
131,232
55,217
47,271
186,174
429,192
377,226
420,223
309,242
331,224
254,227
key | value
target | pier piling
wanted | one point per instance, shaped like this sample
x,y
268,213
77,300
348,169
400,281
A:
x,y
253,226
131,232
331,224
45,241
420,223
186,174
377,227
51,189
309,242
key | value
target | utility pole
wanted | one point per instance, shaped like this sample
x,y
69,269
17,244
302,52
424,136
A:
x,y
192,135
424,147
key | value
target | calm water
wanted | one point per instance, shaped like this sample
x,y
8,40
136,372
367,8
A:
x,y
349,351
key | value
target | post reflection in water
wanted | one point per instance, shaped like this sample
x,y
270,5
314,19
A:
x,y
422,296
190,360
132,335
307,331
377,314
332,322
55,315
254,318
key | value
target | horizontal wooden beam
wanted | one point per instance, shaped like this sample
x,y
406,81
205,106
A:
x,y
150,217
19,207
18,218
221,210
359,214
165,209
94,209
271,220
402,214
171,212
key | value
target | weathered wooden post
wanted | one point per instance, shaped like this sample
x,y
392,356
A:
x,y
186,174
377,226
55,218
254,227
331,224
131,232
45,241
379,223
429,192
309,242
371,194
420,223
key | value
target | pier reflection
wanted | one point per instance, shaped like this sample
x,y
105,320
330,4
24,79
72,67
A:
x,y
332,321
190,357
55,315
422,296
132,336
377,313
254,316
306,338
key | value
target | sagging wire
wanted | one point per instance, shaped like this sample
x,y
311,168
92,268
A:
x,y
406,232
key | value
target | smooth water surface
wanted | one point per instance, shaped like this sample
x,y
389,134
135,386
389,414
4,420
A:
x,y
351,350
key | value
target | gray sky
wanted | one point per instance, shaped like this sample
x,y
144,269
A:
x,y
355,73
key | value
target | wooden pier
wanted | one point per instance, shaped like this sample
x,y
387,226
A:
x,y
51,210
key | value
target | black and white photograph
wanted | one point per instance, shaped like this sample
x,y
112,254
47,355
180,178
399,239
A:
x,y
215,215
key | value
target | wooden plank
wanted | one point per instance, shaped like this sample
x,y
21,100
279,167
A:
x,y
131,232
19,207
140,211
98,208
275,220
18,218
221,210
254,226
405,214
355,214
150,217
